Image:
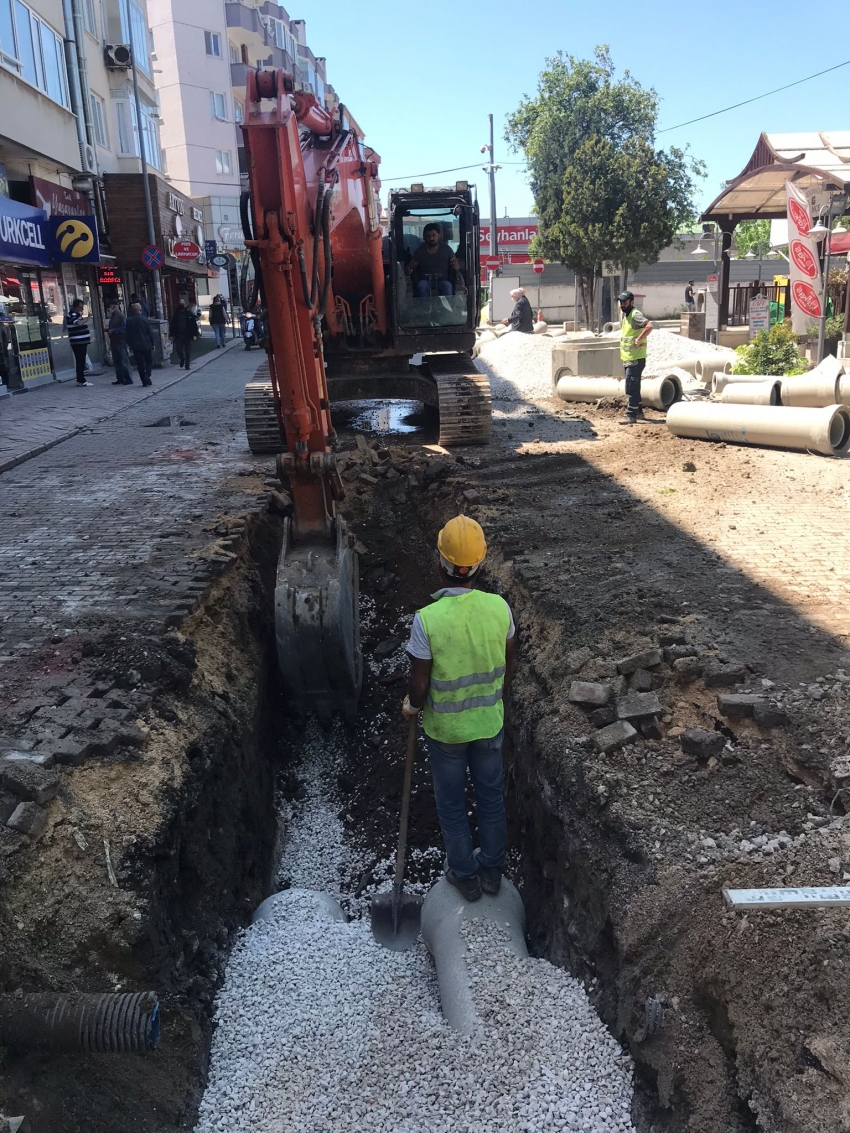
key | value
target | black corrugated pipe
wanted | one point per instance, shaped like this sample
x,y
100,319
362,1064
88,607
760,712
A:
x,y
98,1024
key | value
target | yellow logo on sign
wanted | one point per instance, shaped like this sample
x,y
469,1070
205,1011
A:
x,y
76,238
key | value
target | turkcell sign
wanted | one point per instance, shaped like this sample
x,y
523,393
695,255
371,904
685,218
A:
x,y
24,236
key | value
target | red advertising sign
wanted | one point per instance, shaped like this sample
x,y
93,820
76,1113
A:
x,y
798,215
806,298
492,263
186,250
803,258
538,266
521,234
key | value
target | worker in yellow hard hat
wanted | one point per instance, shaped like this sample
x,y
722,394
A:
x,y
462,649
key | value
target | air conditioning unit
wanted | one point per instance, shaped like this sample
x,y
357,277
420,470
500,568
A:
x,y
89,161
118,56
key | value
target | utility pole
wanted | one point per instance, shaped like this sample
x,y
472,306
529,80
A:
x,y
158,309
490,169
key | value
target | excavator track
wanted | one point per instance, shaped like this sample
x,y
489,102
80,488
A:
x,y
261,423
466,413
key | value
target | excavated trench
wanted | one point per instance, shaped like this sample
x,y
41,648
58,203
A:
x,y
217,845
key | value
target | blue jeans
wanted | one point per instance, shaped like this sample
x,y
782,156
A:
x,y
220,332
448,770
633,373
440,287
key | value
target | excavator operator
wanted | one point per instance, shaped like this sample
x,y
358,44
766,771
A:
x,y
432,264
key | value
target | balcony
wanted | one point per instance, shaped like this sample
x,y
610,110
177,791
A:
x,y
241,15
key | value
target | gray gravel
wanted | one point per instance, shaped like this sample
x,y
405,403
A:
x,y
320,1030
519,366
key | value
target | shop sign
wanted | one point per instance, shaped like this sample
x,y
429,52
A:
x,y
508,234
108,276
186,250
74,239
34,364
24,236
759,315
230,234
56,200
176,204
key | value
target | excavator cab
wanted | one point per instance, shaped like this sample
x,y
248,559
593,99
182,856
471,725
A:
x,y
433,269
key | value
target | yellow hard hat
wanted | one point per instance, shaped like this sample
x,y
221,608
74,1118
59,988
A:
x,y
462,545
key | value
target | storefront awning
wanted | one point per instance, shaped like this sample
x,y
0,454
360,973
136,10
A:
x,y
817,162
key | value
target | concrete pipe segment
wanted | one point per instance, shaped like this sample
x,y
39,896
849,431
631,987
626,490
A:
x,y
444,913
720,379
813,390
713,364
825,430
659,392
752,393
323,905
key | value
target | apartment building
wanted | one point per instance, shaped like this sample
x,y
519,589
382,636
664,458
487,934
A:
x,y
204,49
69,124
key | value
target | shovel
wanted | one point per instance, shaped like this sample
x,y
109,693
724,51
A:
x,y
395,916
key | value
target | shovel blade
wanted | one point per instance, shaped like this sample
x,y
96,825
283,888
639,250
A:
x,y
395,921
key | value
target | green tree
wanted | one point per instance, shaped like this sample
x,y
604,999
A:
x,y
749,234
602,191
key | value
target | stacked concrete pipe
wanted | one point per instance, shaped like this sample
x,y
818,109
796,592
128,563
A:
x,y
752,393
444,913
713,364
813,390
825,430
722,378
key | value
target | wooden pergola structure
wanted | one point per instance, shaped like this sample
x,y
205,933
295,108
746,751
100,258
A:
x,y
818,162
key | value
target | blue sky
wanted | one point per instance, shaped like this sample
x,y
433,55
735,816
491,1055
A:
x,y
422,77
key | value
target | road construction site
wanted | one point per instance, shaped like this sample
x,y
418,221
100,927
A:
x,y
677,727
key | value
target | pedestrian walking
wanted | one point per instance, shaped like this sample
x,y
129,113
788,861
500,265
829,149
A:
x,y
521,317
79,336
183,330
134,298
690,302
117,330
218,321
141,339
462,649
634,329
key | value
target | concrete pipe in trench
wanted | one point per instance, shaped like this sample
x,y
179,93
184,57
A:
x,y
324,905
444,913
752,393
659,392
813,390
825,430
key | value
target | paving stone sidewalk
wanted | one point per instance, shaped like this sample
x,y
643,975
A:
x,y
35,421
110,538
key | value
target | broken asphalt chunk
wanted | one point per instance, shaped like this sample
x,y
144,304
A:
x,y
638,705
589,693
645,660
701,743
28,818
739,705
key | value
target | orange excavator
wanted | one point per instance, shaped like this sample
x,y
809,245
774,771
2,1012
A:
x,y
351,311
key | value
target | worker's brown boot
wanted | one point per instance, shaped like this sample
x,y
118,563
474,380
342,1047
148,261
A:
x,y
468,887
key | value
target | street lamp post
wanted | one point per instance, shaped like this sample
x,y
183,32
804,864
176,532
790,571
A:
x,y
490,169
837,206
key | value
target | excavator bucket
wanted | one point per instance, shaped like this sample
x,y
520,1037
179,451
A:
x,y
317,623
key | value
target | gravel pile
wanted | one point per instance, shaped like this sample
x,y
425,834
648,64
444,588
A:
x,y
664,350
519,366
320,1030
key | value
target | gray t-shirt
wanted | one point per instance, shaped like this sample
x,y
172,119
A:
x,y
419,645
434,263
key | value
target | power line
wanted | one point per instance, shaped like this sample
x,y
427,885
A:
x,y
437,172
747,101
